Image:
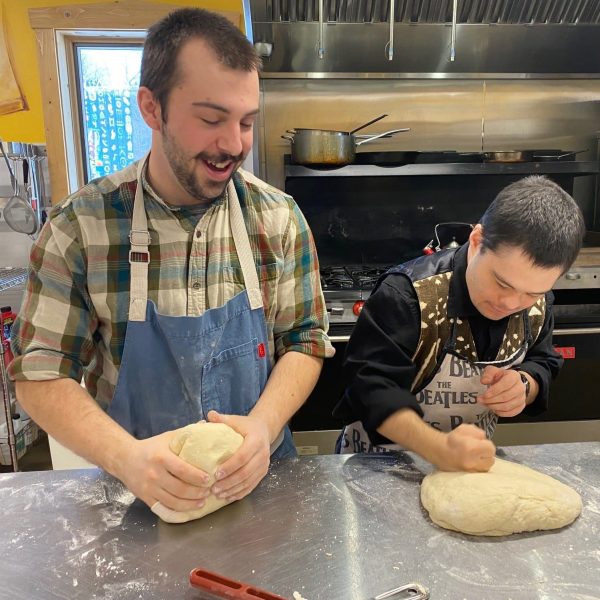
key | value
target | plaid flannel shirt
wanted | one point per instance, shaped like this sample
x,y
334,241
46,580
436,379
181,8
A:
x,y
74,314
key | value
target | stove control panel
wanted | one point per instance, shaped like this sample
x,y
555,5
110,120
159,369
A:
x,y
579,278
341,311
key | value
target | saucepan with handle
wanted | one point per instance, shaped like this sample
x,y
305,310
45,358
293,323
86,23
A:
x,y
329,147
223,587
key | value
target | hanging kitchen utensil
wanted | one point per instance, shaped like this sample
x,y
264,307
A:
x,y
329,148
35,189
367,124
18,214
8,165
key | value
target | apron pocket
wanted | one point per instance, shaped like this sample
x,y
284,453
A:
x,y
230,380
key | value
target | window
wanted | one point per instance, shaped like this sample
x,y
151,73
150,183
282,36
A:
x,y
112,131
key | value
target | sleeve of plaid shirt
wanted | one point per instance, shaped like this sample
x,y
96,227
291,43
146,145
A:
x,y
53,335
301,323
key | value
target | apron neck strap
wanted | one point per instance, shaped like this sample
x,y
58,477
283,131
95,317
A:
x,y
242,247
139,255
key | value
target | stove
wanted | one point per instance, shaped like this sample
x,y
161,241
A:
x,y
345,288
353,277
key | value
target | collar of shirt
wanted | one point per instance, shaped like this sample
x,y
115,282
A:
x,y
192,209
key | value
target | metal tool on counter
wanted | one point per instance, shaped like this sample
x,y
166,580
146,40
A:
x,y
410,591
223,587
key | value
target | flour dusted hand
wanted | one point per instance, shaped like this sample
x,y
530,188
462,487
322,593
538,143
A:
x,y
206,446
510,498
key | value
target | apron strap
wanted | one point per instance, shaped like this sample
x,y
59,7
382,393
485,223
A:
x,y
139,256
242,247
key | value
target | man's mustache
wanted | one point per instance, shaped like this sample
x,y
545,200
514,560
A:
x,y
221,157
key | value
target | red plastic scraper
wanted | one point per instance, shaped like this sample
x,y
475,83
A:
x,y
228,588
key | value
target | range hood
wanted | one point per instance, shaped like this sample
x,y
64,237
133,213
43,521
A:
x,y
483,12
429,38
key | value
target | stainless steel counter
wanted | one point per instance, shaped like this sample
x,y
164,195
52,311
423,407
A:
x,y
329,527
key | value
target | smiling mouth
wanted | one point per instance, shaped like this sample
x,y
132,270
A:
x,y
218,167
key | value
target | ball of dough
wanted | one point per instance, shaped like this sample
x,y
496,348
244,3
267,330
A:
x,y
206,446
510,498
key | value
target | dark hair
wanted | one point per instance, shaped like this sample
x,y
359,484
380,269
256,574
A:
x,y
538,216
160,72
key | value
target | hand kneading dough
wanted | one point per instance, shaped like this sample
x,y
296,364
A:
x,y
206,446
510,498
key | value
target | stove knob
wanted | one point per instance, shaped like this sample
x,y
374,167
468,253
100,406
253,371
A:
x,y
337,310
358,306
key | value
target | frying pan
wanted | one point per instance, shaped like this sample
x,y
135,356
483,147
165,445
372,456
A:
x,y
515,156
508,156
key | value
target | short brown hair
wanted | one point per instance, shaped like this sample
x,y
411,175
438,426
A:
x,y
160,72
539,217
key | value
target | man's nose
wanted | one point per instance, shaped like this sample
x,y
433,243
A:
x,y
230,140
511,301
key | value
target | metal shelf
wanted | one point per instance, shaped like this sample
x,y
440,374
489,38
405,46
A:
x,y
575,168
11,277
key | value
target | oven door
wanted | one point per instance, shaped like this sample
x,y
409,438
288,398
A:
x,y
315,431
573,413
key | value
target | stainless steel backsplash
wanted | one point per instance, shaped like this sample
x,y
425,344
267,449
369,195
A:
x,y
464,115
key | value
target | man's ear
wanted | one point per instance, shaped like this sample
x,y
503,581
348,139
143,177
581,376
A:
x,y
149,108
476,237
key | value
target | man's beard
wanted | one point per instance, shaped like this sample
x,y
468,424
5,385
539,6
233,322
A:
x,y
187,178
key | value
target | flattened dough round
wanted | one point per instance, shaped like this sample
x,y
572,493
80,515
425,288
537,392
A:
x,y
510,498
206,446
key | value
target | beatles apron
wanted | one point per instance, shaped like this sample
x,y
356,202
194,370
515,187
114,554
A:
x,y
448,397
174,370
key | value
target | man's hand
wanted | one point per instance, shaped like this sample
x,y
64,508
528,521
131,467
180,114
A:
x,y
467,449
239,475
154,473
505,394
463,449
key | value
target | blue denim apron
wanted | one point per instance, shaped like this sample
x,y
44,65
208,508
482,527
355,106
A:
x,y
174,370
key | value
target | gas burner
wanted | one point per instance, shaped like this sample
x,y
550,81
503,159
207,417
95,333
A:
x,y
359,277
